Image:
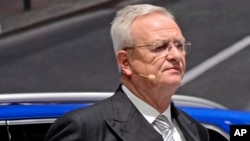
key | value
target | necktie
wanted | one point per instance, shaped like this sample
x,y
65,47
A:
x,y
163,125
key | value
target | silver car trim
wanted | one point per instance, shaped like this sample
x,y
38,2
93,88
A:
x,y
53,97
2,123
27,98
31,121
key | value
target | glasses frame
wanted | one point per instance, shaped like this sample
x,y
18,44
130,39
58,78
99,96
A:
x,y
159,44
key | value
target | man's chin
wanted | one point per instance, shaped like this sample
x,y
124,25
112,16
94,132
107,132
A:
x,y
173,82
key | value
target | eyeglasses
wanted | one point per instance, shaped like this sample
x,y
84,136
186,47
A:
x,y
160,46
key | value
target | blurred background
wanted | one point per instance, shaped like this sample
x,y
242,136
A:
x,y
65,46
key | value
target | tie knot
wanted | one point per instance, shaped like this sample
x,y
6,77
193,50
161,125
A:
x,y
162,122
162,117
164,126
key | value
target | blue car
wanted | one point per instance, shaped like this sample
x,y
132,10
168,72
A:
x,y
27,117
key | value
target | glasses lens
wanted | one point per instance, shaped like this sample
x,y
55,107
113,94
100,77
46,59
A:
x,y
160,46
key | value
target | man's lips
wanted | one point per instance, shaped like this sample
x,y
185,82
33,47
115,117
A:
x,y
173,69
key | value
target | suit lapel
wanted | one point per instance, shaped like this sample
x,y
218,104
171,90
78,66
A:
x,y
128,123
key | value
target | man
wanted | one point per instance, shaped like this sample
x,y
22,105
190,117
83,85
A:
x,y
150,50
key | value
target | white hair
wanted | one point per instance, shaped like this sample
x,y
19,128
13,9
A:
x,y
120,29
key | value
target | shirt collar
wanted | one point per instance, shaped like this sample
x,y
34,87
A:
x,y
146,110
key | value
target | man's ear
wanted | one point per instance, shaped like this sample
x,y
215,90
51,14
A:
x,y
123,62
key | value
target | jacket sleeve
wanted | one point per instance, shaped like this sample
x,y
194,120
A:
x,y
66,128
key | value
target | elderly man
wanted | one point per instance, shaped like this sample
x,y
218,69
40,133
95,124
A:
x,y
150,51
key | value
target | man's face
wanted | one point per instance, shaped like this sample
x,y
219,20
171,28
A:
x,y
168,65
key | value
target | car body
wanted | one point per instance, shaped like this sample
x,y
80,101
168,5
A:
x,y
27,116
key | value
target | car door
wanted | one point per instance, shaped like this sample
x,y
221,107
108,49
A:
x,y
3,131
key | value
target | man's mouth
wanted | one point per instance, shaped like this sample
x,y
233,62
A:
x,y
174,69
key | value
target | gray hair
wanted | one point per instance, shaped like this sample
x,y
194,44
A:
x,y
120,29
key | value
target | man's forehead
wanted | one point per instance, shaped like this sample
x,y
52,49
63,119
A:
x,y
155,22
168,29
155,26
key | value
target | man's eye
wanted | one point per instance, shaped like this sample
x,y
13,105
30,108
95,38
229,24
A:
x,y
160,47
179,46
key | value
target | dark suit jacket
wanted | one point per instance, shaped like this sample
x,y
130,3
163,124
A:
x,y
117,119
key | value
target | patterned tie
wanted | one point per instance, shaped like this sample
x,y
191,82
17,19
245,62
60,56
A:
x,y
163,125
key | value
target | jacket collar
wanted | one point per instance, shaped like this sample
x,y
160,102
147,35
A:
x,y
128,123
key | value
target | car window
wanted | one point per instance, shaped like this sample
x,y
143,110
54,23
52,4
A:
x,y
3,133
29,132
215,136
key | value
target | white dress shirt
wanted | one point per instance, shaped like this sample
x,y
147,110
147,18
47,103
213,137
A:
x,y
151,113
